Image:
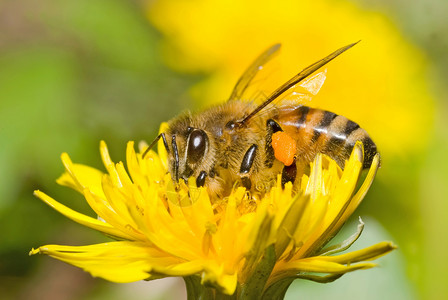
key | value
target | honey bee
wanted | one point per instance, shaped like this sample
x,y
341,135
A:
x,y
242,141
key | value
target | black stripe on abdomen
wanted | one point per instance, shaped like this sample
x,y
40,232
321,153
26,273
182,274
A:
x,y
302,112
350,127
324,123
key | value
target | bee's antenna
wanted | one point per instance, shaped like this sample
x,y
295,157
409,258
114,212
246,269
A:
x,y
296,79
162,135
176,158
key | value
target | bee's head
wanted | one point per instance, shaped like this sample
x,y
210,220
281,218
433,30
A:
x,y
187,152
190,148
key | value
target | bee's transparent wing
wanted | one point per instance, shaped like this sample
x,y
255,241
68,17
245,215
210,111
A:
x,y
299,94
299,79
257,68
254,85
304,91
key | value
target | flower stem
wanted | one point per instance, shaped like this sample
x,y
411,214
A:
x,y
197,291
277,290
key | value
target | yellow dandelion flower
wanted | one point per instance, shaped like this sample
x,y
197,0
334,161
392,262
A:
x,y
234,246
380,82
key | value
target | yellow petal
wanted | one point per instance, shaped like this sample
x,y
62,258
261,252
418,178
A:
x,y
112,218
333,207
116,261
137,174
369,253
68,165
215,276
81,218
177,230
288,226
161,148
80,177
317,265
359,196
105,154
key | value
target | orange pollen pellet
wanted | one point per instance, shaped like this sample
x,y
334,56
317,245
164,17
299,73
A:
x,y
284,147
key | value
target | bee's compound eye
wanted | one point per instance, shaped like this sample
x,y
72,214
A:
x,y
197,143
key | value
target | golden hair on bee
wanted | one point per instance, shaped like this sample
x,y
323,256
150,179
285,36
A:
x,y
242,141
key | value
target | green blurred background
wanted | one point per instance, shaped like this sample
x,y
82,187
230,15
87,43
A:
x,y
73,73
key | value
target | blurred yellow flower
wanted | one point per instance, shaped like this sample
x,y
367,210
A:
x,y
220,246
378,84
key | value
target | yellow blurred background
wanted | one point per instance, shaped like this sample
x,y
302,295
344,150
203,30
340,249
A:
x,y
75,72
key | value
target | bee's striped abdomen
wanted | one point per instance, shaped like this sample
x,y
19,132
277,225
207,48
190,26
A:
x,y
317,130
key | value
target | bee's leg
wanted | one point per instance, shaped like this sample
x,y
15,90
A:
x,y
176,159
200,180
289,173
246,165
246,182
271,128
